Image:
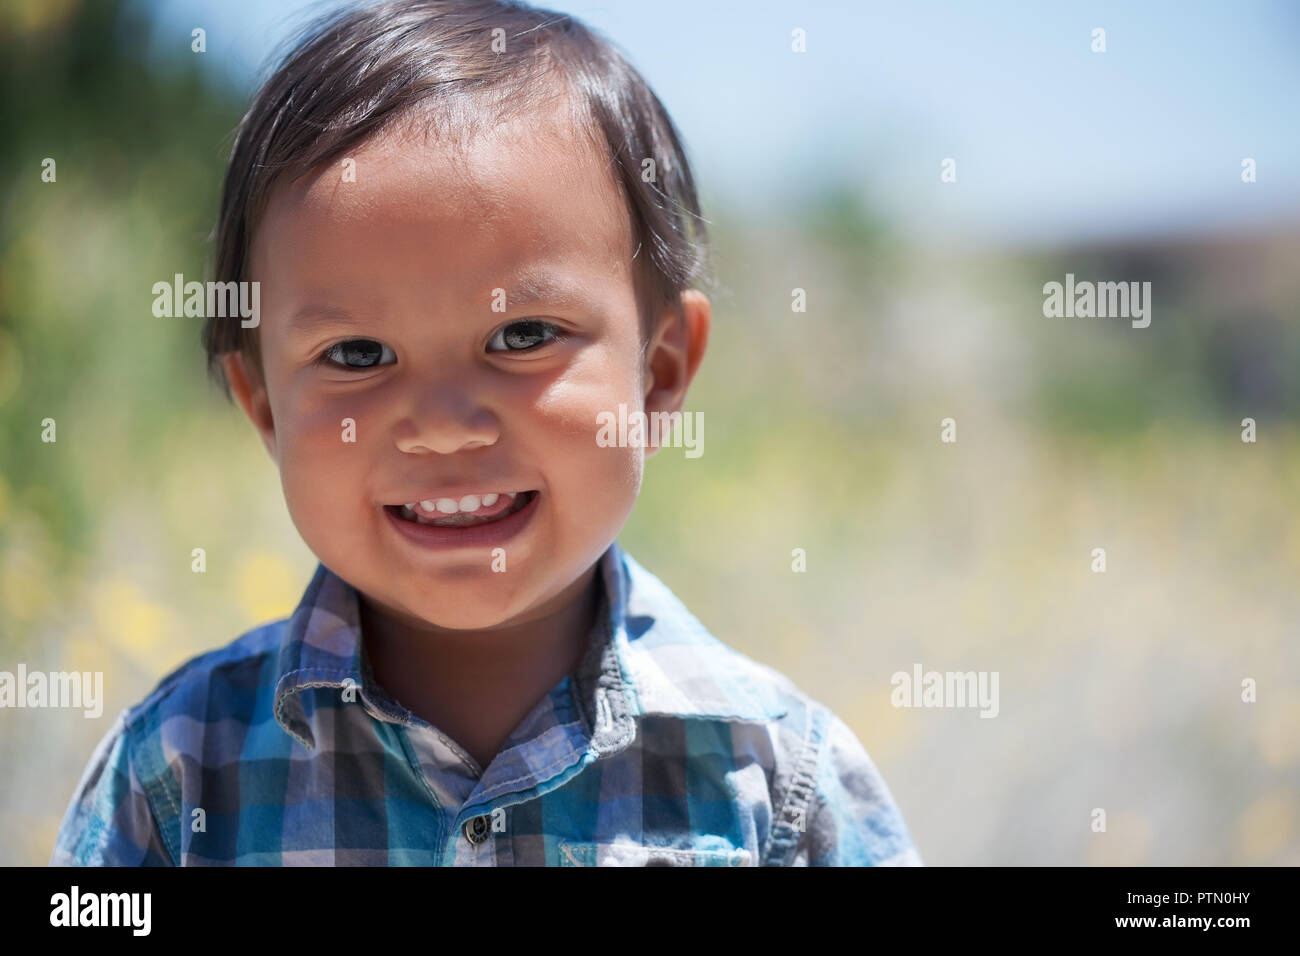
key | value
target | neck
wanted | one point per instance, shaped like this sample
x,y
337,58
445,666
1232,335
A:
x,y
488,678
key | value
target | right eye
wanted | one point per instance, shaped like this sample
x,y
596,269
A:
x,y
356,354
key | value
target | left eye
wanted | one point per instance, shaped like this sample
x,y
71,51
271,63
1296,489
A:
x,y
357,353
524,336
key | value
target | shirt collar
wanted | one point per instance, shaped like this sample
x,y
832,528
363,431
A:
x,y
648,655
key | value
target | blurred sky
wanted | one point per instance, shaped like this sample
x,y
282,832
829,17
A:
x,y
1052,141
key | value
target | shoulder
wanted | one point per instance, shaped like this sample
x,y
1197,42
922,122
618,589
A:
x,y
229,683
831,805
213,697
126,806
677,667
828,800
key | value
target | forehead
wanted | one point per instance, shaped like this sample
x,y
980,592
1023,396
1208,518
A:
x,y
405,208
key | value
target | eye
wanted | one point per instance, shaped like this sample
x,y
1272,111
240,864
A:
x,y
356,354
525,336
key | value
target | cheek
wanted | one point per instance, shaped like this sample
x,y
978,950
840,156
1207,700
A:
x,y
566,425
321,455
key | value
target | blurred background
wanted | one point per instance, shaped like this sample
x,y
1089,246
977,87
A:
x,y
820,171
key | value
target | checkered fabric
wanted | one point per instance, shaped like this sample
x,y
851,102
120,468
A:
x,y
663,747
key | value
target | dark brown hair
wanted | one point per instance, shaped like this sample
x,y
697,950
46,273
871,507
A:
x,y
357,72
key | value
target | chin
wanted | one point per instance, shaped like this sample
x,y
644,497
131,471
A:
x,y
465,617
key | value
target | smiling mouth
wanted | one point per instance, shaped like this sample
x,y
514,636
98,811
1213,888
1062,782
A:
x,y
502,507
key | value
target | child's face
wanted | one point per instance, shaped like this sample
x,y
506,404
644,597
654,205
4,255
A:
x,y
409,258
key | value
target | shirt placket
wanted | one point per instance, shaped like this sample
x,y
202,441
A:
x,y
452,775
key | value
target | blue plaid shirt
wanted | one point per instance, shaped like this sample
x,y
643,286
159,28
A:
x,y
663,747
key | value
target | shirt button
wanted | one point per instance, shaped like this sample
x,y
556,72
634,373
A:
x,y
476,830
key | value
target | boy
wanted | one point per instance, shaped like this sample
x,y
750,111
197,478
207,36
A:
x,y
463,264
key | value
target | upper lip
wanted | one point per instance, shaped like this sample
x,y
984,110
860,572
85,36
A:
x,y
460,491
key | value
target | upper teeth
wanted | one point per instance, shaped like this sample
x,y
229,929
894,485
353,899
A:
x,y
451,506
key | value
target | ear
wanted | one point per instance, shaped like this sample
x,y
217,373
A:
x,y
674,355
249,390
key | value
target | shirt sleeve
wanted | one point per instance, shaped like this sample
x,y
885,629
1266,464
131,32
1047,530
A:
x,y
109,821
851,818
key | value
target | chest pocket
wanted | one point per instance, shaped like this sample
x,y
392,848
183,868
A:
x,y
636,854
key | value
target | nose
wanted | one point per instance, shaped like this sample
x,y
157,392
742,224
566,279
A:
x,y
446,420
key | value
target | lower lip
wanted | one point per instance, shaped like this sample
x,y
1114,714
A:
x,y
492,534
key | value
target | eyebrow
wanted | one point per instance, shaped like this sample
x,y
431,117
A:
x,y
529,288
533,287
316,317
